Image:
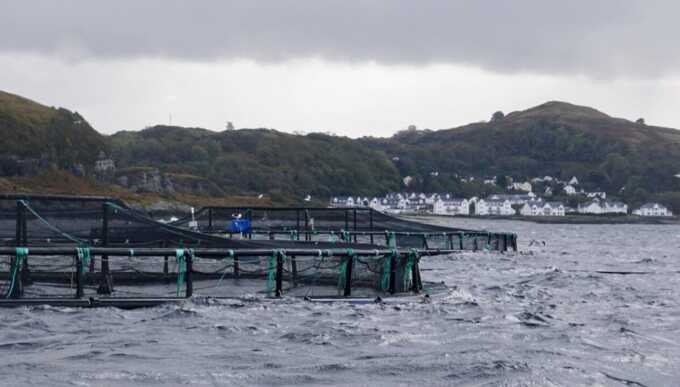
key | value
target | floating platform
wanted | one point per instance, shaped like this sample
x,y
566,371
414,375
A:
x,y
99,244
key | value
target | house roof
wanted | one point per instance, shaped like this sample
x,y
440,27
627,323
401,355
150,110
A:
x,y
652,205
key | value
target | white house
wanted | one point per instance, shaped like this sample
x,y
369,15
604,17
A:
x,y
597,206
342,201
481,207
541,208
569,189
490,180
451,206
653,209
597,194
526,186
514,198
573,181
498,207
376,204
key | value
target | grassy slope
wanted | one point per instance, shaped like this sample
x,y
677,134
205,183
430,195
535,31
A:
x,y
260,161
61,182
555,138
29,129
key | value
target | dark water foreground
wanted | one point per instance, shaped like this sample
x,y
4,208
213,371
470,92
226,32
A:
x,y
595,305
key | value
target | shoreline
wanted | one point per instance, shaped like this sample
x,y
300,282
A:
x,y
567,219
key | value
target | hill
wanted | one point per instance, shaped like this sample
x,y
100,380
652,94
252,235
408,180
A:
x,y
257,161
555,138
634,161
34,134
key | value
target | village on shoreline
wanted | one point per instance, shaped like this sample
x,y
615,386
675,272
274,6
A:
x,y
522,202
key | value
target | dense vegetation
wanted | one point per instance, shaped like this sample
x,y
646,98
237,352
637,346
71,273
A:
x,y
260,160
57,136
628,159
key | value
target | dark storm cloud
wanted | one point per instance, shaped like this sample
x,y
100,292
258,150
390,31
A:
x,y
608,38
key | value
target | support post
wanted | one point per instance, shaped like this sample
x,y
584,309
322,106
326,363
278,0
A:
x,y
370,223
166,269
279,274
19,228
462,239
348,276
250,220
355,225
210,219
190,268
79,277
415,277
297,221
236,269
25,269
293,268
346,221
393,273
307,238
106,280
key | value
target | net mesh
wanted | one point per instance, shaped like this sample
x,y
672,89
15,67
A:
x,y
335,234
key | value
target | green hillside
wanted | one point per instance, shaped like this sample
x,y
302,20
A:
x,y
58,136
260,160
628,159
556,139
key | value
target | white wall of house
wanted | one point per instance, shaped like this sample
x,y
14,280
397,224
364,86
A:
x,y
498,207
481,207
653,209
542,209
603,207
451,207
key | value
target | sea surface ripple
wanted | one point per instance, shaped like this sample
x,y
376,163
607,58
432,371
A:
x,y
577,305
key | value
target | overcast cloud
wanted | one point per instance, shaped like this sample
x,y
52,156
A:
x,y
625,38
413,55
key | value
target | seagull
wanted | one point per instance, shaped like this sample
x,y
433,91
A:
x,y
308,198
260,196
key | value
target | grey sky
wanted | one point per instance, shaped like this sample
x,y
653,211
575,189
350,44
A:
x,y
611,48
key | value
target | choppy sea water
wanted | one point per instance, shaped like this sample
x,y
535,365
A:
x,y
578,305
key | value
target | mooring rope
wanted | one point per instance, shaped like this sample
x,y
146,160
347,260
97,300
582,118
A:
x,y
181,269
342,273
407,276
53,227
83,256
21,253
271,271
387,268
390,239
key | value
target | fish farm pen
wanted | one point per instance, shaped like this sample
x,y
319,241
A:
x,y
97,251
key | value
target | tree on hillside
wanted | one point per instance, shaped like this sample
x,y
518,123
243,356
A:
x,y
230,125
502,181
640,121
497,116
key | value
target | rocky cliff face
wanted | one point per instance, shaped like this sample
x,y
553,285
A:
x,y
140,180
